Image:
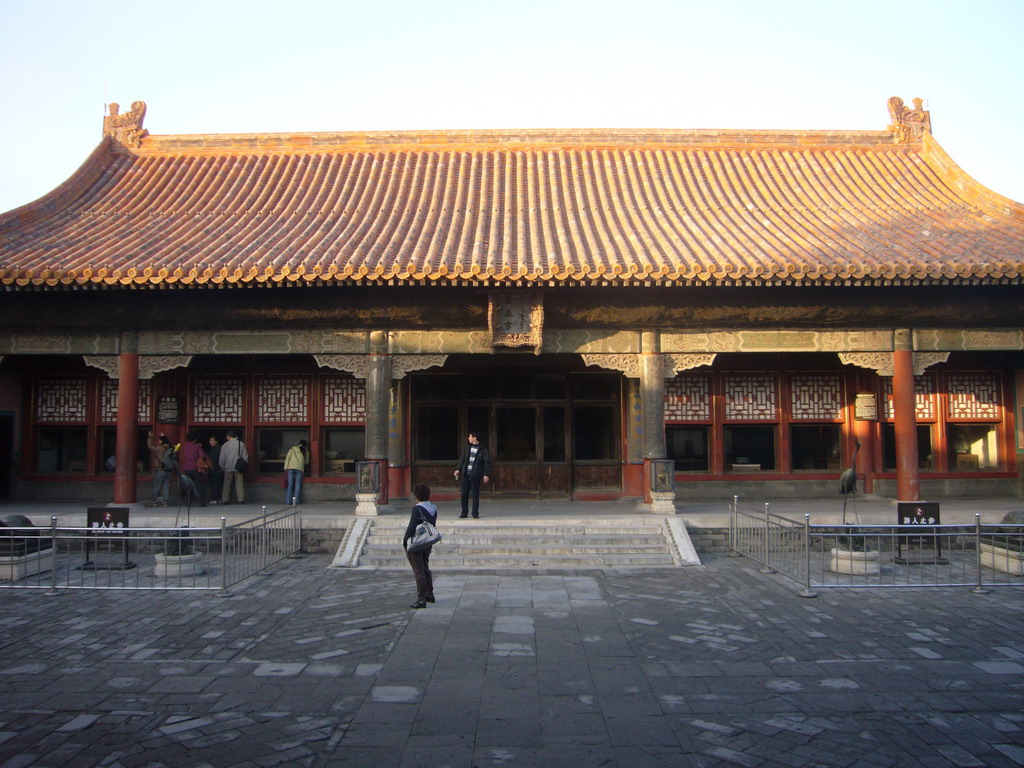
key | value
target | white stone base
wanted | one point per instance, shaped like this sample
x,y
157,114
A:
x,y
16,568
663,502
1002,559
366,504
173,566
855,563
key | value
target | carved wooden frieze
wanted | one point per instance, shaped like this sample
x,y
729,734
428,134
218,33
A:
x,y
127,128
925,360
516,319
149,365
627,364
674,363
107,363
879,362
357,365
882,364
403,364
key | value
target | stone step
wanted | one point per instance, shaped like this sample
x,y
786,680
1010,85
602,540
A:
x,y
601,540
529,560
568,543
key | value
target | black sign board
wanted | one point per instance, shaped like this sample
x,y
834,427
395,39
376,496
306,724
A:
x,y
917,519
107,518
168,409
106,524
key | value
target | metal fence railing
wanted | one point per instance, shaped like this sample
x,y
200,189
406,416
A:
x,y
55,558
821,556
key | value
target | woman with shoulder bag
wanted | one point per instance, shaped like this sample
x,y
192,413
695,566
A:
x,y
420,559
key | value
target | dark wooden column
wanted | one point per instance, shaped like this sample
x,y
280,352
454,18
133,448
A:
x,y
126,449
652,398
378,406
908,473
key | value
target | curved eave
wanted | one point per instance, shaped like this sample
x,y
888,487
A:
x,y
164,279
801,235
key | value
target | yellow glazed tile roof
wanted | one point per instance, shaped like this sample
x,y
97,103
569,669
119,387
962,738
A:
x,y
515,208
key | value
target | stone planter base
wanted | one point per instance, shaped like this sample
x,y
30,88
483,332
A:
x,y
1002,559
173,566
855,563
16,568
366,504
663,502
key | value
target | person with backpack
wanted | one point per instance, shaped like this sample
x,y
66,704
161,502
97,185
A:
x,y
165,463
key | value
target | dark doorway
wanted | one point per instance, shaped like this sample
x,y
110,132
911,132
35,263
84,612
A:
x,y
6,456
549,432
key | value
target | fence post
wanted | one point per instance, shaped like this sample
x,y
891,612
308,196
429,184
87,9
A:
x,y
767,545
733,517
978,588
296,539
807,591
53,557
223,557
264,557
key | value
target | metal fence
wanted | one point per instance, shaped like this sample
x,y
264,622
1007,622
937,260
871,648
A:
x,y
60,557
821,556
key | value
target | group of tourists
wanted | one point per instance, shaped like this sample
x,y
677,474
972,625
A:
x,y
210,474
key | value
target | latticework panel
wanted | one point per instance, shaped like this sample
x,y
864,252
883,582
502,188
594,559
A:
x,y
61,400
816,397
344,399
688,398
924,398
282,399
217,400
109,400
751,398
974,396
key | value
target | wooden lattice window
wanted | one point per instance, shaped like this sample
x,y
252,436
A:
x,y
109,400
217,400
283,399
973,397
924,398
816,397
61,400
344,399
751,397
688,398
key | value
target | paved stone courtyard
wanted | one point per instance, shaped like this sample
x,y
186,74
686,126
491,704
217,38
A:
x,y
708,666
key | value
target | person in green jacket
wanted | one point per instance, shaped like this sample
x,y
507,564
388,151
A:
x,y
295,466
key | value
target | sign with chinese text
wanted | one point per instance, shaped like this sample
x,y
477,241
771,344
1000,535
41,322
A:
x,y
168,409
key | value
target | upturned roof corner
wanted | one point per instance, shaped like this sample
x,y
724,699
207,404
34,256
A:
x,y
126,129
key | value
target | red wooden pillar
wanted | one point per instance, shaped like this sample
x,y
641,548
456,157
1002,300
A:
x,y
908,475
126,449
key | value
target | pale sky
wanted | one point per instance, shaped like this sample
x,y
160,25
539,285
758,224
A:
x,y
213,66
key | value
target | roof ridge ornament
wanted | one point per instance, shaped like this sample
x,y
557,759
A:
x,y
126,129
908,124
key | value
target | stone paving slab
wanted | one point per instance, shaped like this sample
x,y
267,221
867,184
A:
x,y
719,665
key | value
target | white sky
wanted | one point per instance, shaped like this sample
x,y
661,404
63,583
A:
x,y
213,66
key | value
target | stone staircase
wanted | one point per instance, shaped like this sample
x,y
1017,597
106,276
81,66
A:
x,y
635,541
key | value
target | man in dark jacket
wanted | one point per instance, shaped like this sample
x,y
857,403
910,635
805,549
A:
x,y
474,466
